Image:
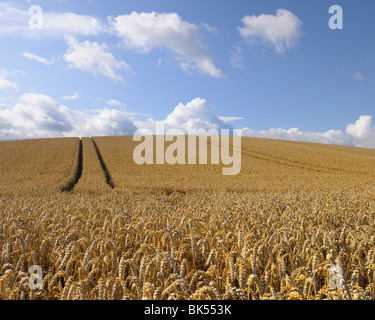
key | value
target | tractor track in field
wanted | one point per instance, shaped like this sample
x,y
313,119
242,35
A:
x,y
103,165
78,174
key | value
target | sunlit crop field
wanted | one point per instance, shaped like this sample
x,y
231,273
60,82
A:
x,y
102,227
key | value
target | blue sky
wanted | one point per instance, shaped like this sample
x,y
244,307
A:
x,y
120,65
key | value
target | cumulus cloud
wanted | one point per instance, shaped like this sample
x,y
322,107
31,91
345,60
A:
x,y
362,132
40,116
94,58
34,116
104,122
146,31
139,31
32,56
8,85
196,114
281,30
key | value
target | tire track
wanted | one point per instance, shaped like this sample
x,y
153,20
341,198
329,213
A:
x,y
78,174
103,165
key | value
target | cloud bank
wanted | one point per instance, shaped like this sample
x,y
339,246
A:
x,y
359,134
40,116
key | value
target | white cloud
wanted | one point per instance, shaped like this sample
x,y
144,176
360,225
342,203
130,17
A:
x,y
295,134
14,21
236,58
34,116
282,30
94,58
72,24
8,85
196,114
359,134
31,56
358,76
209,28
146,31
229,119
40,116
362,132
104,122
75,96
4,73
115,103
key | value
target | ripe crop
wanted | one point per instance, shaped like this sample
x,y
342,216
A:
x,y
103,228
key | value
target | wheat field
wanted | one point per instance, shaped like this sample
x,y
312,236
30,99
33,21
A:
x,y
103,228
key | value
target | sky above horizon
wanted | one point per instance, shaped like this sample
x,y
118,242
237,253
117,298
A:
x,y
271,68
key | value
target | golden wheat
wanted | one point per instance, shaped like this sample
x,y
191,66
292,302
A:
x,y
186,232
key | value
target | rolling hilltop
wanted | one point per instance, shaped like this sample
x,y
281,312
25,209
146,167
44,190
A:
x,y
60,164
